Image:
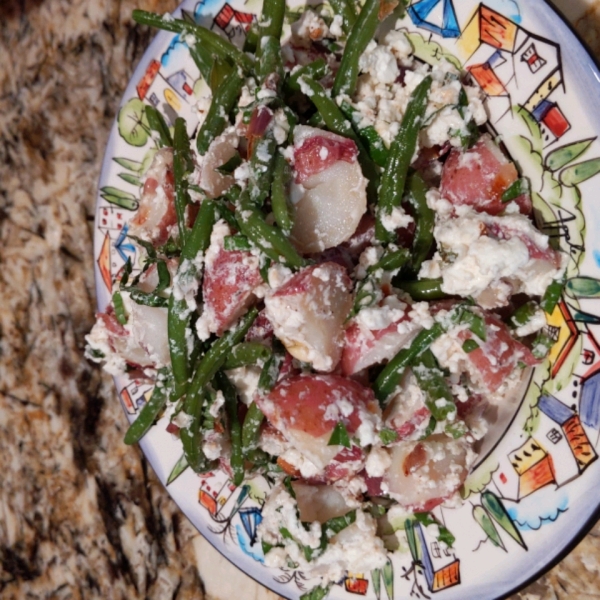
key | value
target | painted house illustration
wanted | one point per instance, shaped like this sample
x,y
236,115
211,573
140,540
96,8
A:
x,y
116,247
515,67
442,568
559,453
587,377
355,583
214,496
233,23
134,395
173,96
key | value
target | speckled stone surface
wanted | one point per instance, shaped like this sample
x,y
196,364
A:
x,y
82,515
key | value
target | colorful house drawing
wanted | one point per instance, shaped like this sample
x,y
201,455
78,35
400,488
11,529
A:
x,y
215,497
587,377
442,568
173,96
561,327
355,583
515,67
116,247
233,23
559,453
134,395
437,16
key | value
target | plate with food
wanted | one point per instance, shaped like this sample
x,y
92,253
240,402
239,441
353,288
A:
x,y
348,287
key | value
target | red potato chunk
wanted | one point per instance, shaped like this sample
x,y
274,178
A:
x,y
406,412
307,408
496,358
308,313
364,347
230,278
479,176
156,214
319,502
221,149
329,193
425,473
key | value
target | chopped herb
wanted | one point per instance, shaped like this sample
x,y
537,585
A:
x,y
388,436
444,534
516,189
236,242
470,346
231,165
339,436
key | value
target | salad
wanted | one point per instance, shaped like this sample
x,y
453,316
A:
x,y
342,280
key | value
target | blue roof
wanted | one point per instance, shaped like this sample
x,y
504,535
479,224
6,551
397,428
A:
x,y
555,409
421,10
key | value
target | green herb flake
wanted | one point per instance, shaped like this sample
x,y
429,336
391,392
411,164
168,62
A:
x,y
339,436
387,436
470,346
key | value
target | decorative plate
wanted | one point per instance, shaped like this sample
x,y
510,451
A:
x,y
536,488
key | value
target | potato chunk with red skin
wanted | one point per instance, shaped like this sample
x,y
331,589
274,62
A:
x,y
496,358
230,278
228,287
366,347
156,214
425,473
306,410
308,313
479,176
329,191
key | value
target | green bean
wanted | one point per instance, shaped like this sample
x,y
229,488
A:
x,y
199,238
337,123
157,123
271,240
211,40
119,307
251,429
391,260
261,168
425,221
148,298
182,166
270,371
392,373
221,69
423,289
247,353
151,410
368,135
401,152
178,317
552,296
191,436
438,396
203,59
271,20
315,70
271,61
217,117
252,38
282,209
236,459
347,10
216,356
359,37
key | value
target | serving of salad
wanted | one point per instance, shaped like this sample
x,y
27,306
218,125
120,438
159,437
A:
x,y
342,280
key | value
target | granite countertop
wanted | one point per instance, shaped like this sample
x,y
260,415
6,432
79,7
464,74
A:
x,y
81,514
